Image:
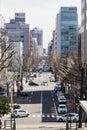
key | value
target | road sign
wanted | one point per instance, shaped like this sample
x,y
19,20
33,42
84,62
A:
x,y
14,76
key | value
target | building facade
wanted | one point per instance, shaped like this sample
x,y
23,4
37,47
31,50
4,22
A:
x,y
67,31
18,31
18,56
38,34
84,31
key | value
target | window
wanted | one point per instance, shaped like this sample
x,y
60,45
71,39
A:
x,y
22,36
68,18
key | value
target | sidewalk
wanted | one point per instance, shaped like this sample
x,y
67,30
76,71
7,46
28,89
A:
x,y
48,126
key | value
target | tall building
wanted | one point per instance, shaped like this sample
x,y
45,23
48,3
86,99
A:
x,y
84,31
67,31
38,34
18,31
18,56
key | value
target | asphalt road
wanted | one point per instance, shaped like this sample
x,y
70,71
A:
x,y
41,103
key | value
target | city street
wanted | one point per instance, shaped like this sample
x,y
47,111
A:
x,y
43,65
41,103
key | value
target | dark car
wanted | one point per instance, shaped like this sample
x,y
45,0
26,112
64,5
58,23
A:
x,y
24,93
16,106
35,75
31,83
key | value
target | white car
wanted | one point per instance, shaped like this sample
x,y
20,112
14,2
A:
x,y
52,78
59,93
19,113
61,99
62,108
69,116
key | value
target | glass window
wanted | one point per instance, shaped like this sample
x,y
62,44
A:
x,y
68,18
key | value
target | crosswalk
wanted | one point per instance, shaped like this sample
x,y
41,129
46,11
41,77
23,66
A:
x,y
42,116
37,116
37,88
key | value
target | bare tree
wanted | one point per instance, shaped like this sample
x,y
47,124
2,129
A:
x,y
6,50
68,69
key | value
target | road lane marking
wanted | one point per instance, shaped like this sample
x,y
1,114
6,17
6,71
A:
x,y
43,116
33,115
53,116
48,115
54,104
39,116
41,102
55,108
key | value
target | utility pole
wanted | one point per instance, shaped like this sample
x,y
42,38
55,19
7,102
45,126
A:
x,y
81,68
81,97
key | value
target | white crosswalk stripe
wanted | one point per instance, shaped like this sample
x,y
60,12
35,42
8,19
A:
x,y
39,115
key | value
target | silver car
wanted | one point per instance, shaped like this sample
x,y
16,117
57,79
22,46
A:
x,y
69,116
62,108
62,99
19,113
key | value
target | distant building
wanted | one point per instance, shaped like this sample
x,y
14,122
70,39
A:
x,y
38,34
67,31
50,47
18,56
44,51
18,31
35,48
54,49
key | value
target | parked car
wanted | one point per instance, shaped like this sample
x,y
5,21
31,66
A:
x,y
57,87
62,99
59,93
16,106
52,78
62,108
69,116
19,113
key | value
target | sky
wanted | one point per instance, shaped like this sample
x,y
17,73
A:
x,y
39,13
